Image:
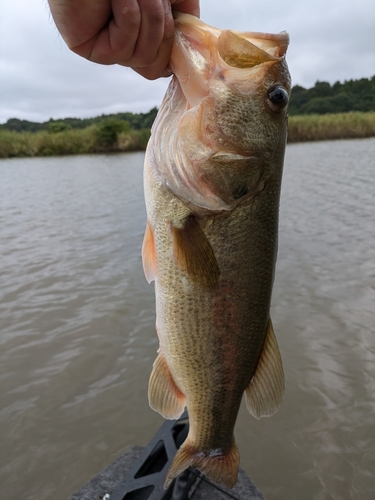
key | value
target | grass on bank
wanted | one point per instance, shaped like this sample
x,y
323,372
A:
x,y
352,125
111,136
116,136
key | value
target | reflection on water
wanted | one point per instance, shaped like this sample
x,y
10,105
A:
x,y
77,325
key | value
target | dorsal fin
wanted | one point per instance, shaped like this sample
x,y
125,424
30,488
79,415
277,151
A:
x,y
265,391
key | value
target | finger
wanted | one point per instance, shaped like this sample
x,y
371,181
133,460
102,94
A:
x,y
116,42
160,65
157,24
124,28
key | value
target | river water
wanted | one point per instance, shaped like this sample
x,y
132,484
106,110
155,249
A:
x,y
77,332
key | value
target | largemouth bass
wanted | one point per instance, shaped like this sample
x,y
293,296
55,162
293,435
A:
x,y
212,180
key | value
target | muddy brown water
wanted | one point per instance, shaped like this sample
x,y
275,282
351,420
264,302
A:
x,y
77,337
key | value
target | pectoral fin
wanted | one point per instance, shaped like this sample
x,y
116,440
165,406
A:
x,y
163,394
149,255
194,255
265,391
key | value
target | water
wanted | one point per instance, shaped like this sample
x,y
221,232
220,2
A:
x,y
77,336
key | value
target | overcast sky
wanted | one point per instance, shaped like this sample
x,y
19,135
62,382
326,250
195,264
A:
x,y
39,78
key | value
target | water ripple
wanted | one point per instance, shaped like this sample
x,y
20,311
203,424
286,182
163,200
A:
x,y
78,337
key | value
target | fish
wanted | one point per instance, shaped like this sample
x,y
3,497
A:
x,y
212,178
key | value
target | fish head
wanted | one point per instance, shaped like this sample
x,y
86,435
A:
x,y
227,113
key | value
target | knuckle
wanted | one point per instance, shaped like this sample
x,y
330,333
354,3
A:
x,y
131,16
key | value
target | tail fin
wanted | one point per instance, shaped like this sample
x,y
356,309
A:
x,y
221,467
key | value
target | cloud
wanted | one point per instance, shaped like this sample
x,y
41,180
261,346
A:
x,y
41,78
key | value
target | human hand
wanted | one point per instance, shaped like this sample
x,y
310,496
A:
x,y
134,33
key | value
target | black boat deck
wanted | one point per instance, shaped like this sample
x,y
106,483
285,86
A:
x,y
139,474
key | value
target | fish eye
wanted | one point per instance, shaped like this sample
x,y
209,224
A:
x,y
277,98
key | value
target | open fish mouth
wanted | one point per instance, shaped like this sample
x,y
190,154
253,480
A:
x,y
243,52
248,48
203,52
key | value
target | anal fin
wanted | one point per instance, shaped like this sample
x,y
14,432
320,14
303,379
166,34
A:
x,y
163,394
265,391
193,253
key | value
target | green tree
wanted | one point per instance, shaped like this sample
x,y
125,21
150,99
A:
x,y
107,133
321,89
56,127
352,95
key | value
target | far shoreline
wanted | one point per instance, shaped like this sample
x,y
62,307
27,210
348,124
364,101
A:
x,y
115,138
